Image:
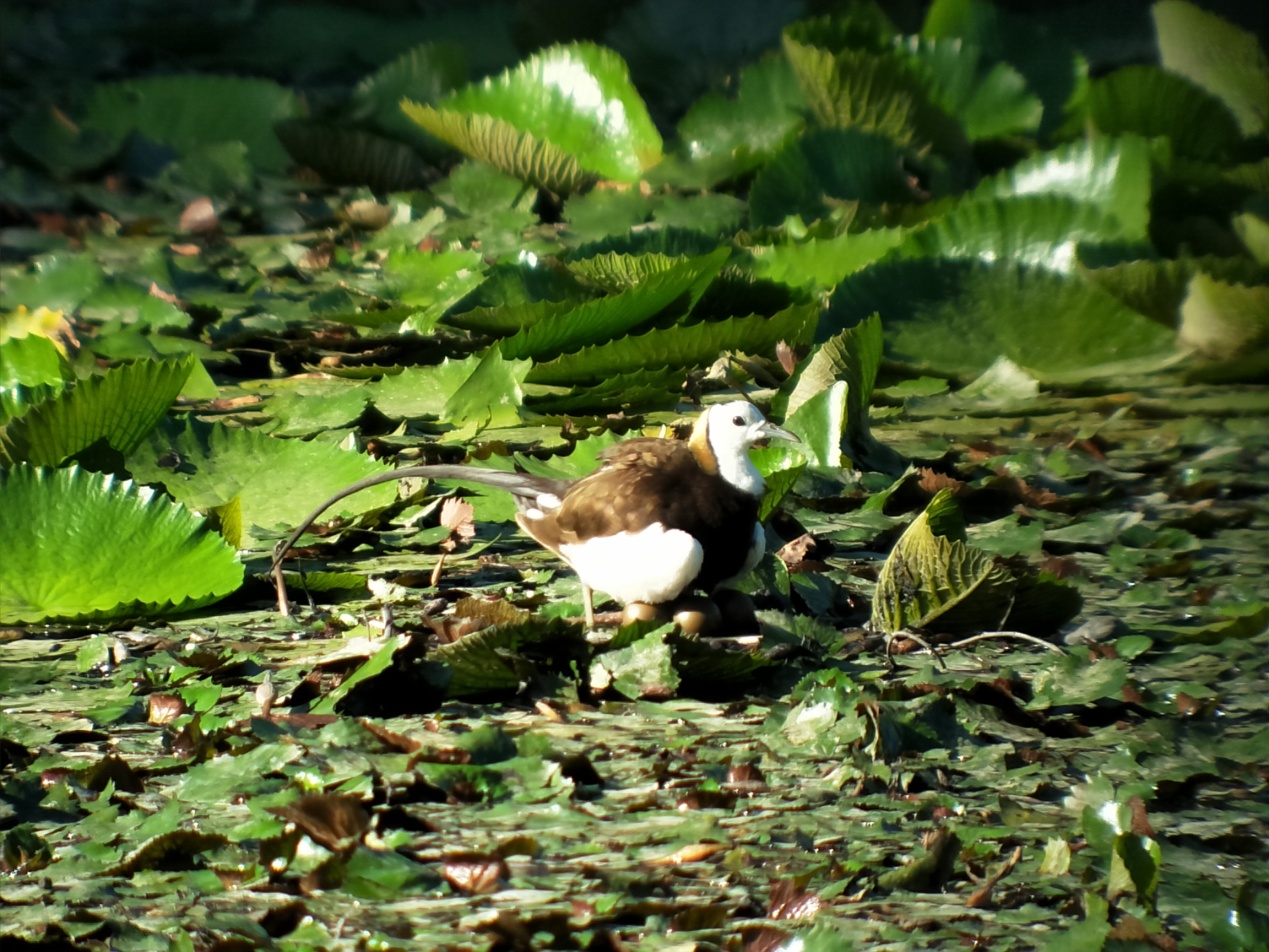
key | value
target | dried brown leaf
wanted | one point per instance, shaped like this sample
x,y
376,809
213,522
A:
x,y
199,217
477,874
164,708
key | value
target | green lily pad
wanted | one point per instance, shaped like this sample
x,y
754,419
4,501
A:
x,y
824,166
425,74
277,481
116,409
558,119
1217,56
727,136
933,580
186,112
613,316
1112,173
688,345
57,569
957,317
1150,102
991,100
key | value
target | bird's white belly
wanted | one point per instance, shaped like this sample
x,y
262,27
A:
x,y
652,565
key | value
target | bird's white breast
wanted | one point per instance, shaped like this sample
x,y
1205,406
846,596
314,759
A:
x,y
652,565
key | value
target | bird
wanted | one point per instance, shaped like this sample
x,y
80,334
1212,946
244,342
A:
x,y
657,519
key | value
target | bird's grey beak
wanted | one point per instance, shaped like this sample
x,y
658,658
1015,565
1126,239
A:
x,y
771,431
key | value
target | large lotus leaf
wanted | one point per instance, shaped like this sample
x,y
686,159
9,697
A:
x,y
728,136
1037,230
57,282
424,74
873,92
933,582
616,315
277,481
422,391
1150,102
633,392
1223,59
956,317
841,164
691,345
858,26
503,320
31,360
491,396
80,545
1051,64
852,358
432,283
562,116
823,262
525,281
989,101
1110,173
1157,288
614,273
64,148
1228,322
677,50
343,156
117,408
186,112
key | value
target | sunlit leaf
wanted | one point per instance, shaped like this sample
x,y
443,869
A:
x,y
562,116
869,91
277,481
957,317
990,100
113,410
52,527
686,345
1110,173
615,315
824,261
935,581
731,135
1217,56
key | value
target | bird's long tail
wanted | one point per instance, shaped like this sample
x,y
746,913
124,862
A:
x,y
522,485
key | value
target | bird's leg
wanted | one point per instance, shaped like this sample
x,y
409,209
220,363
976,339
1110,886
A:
x,y
588,603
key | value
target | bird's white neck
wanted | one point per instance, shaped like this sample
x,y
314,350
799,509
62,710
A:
x,y
735,466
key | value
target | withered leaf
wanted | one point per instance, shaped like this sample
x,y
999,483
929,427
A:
x,y
791,900
164,708
477,874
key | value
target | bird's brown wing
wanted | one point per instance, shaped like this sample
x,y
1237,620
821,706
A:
x,y
646,481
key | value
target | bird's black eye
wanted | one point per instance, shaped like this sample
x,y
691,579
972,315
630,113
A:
x,y
739,421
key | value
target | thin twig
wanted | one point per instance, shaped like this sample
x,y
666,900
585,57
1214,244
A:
x,y
989,635
912,637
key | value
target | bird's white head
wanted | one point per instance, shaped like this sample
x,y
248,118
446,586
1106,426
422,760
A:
x,y
723,435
